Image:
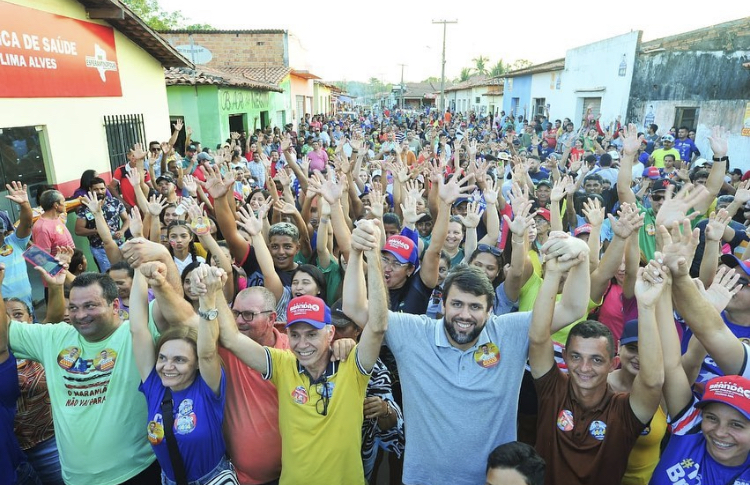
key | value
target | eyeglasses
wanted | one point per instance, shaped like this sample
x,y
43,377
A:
x,y
656,198
393,264
324,391
248,315
486,248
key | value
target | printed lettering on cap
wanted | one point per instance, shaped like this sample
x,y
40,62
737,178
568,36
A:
x,y
398,243
303,307
728,389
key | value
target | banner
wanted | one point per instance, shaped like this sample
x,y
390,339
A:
x,y
746,121
43,55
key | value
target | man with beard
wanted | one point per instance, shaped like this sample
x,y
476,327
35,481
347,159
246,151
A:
x,y
449,387
114,213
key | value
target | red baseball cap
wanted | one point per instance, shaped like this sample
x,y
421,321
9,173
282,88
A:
x,y
403,249
543,213
308,309
582,229
730,390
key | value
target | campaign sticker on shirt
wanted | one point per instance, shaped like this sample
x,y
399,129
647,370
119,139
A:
x,y
6,250
105,360
650,229
186,419
155,430
598,429
299,394
70,360
565,420
646,431
487,355
124,315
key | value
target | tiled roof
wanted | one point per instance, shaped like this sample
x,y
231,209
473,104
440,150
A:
x,y
219,31
271,75
556,65
204,76
421,90
476,81
135,29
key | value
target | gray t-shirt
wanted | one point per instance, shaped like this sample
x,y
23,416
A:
x,y
457,401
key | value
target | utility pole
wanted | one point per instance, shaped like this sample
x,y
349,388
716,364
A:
x,y
401,89
442,72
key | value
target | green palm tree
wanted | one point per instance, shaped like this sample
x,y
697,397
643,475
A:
x,y
465,74
499,69
480,64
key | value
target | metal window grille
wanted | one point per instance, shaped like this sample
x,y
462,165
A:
x,y
122,132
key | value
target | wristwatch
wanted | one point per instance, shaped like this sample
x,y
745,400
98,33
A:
x,y
208,314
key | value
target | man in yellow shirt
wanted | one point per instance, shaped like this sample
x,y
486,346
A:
x,y
657,157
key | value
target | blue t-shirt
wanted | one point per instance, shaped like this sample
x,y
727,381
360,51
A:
x,y
686,148
709,368
10,453
686,461
198,415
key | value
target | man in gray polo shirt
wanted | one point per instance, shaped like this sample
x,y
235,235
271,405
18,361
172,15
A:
x,y
461,375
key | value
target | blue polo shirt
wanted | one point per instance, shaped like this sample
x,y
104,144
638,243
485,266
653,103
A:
x,y
454,400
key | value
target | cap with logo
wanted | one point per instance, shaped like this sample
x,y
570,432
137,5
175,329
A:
x,y
661,184
308,309
733,391
543,213
583,229
652,173
668,138
166,177
403,249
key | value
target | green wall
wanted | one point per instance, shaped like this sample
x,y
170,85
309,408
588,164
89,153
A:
x,y
198,105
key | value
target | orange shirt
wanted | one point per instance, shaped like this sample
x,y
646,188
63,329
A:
x,y
251,420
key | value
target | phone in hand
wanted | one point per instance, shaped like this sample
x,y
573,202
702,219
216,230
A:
x,y
36,256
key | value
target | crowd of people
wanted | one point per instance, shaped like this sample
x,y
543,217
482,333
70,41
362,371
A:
x,y
469,299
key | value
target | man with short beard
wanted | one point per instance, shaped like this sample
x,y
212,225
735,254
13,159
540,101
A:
x,y
461,375
114,213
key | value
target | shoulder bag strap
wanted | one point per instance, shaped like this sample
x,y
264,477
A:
x,y
167,407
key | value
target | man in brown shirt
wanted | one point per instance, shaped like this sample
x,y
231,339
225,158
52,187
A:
x,y
585,431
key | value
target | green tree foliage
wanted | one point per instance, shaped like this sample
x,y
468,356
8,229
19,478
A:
x,y
465,74
521,64
432,79
480,64
158,19
499,68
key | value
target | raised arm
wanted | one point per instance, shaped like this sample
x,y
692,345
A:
x,y
719,147
520,268
558,194
250,352
702,318
629,223
575,294
208,282
94,206
646,392
377,313
541,352
717,223
354,295
18,193
143,342
630,146
594,213
218,189
253,224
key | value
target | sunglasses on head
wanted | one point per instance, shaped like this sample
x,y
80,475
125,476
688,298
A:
x,y
486,248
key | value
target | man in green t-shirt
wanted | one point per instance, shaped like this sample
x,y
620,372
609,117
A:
x,y
93,381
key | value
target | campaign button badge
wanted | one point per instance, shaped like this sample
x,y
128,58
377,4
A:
x,y
598,429
487,355
565,420
299,394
